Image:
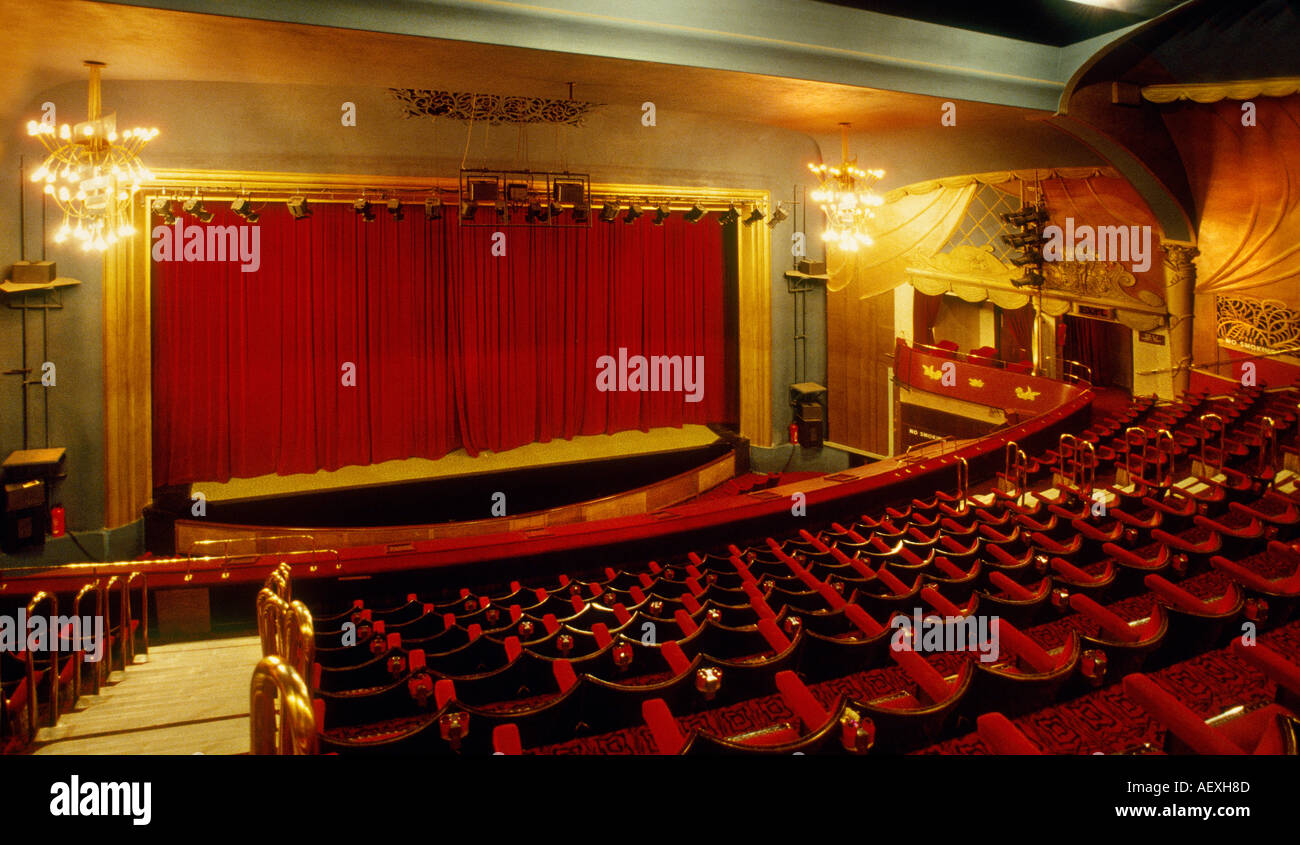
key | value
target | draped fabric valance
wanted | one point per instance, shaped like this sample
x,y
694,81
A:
x,y
1245,181
913,228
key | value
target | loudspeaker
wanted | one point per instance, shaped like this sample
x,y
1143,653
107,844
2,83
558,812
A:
x,y
25,518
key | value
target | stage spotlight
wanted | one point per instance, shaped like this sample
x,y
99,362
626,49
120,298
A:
x,y
163,208
556,209
609,213
537,213
633,212
661,214
581,213
503,212
243,207
298,208
730,216
754,216
468,210
395,208
778,214
194,208
695,215
362,207
433,209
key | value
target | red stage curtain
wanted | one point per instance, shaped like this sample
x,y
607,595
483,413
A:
x,y
452,345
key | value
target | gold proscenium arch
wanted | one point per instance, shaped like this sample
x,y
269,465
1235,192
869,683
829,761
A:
x,y
128,451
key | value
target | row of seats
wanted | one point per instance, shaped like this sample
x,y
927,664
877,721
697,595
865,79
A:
x,y
45,676
1087,590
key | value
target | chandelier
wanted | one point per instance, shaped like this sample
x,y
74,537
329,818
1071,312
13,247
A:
x,y
846,198
91,172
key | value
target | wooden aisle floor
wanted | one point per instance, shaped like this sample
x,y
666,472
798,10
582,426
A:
x,y
187,698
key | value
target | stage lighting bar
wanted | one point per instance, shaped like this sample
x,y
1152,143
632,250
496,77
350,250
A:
x,y
468,210
581,214
662,213
609,213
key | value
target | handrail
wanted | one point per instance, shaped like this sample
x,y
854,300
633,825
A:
x,y
274,680
123,620
1219,429
300,640
90,587
1016,469
144,611
1268,451
225,542
1166,452
963,478
1070,370
271,613
53,651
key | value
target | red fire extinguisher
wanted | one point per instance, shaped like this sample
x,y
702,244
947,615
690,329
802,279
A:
x,y
794,433
58,521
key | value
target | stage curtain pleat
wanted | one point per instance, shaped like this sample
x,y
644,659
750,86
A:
x,y
451,345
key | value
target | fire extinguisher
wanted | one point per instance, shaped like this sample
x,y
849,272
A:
x,y
58,521
794,434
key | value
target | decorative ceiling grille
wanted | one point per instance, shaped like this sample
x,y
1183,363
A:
x,y
490,108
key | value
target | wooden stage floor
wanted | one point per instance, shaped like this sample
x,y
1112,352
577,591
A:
x,y
184,698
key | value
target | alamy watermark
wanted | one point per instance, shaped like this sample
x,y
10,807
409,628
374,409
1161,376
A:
x,y
947,633
1128,244
181,242
655,374
38,633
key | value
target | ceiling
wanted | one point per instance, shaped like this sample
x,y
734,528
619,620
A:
x,y
44,45
1052,22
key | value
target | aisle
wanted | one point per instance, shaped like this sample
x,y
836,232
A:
x,y
187,698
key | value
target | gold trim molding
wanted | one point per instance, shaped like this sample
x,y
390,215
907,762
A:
x,y
1212,92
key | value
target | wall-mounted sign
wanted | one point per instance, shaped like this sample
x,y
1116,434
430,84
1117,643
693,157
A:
x,y
1152,337
1096,311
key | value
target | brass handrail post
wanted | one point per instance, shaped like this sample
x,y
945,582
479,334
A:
x,y
271,613
273,680
300,640
53,652
1268,463
1206,464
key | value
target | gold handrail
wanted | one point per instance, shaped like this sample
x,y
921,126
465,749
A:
x,y
300,640
274,680
963,478
144,610
91,587
1220,428
271,614
1268,462
53,651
